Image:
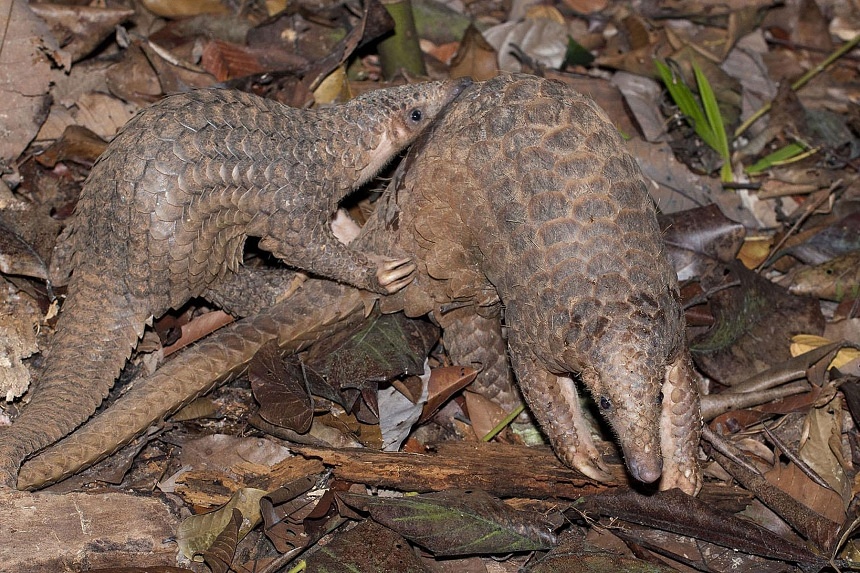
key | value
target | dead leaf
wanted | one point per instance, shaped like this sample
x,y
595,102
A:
x,y
679,513
366,547
284,511
574,553
698,239
483,413
676,188
281,388
643,96
444,383
77,144
81,29
543,40
836,279
475,58
197,533
25,75
755,323
821,449
790,479
184,8
220,554
399,413
811,28
355,360
17,257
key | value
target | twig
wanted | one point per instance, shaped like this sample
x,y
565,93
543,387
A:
x,y
843,49
809,209
726,449
802,466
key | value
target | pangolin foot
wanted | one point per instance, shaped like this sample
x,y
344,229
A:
x,y
593,468
394,274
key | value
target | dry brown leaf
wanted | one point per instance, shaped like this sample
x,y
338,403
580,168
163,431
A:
x,y
643,96
821,449
586,6
81,28
811,28
483,413
444,383
103,114
475,58
794,482
18,322
133,79
25,75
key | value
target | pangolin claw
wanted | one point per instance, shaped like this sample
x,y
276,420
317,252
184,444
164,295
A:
x,y
394,274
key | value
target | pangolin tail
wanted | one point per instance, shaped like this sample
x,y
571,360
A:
x,y
96,332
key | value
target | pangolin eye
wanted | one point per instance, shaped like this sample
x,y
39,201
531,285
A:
x,y
416,115
604,403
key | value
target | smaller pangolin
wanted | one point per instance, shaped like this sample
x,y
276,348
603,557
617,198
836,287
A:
x,y
166,211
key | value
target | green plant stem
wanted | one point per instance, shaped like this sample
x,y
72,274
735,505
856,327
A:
x,y
845,48
400,51
503,424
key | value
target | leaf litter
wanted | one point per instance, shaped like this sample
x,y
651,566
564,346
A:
x,y
760,221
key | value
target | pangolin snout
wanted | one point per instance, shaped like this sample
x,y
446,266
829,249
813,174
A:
x,y
645,468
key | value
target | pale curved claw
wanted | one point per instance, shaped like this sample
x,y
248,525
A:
x,y
394,274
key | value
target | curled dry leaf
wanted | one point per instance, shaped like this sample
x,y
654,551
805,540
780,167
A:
x,y
197,533
220,554
543,40
81,28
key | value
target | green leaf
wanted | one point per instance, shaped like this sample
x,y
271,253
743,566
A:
x,y
458,522
576,54
686,102
782,154
715,121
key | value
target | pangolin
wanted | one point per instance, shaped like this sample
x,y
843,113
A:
x,y
167,208
520,203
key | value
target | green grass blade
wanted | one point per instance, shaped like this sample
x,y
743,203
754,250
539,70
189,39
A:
x,y
782,154
686,102
715,121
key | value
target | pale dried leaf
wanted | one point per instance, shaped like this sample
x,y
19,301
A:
x,y
483,413
643,97
397,413
543,40
822,452
197,533
220,452
25,76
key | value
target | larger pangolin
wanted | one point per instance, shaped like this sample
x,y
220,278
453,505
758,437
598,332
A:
x,y
522,199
